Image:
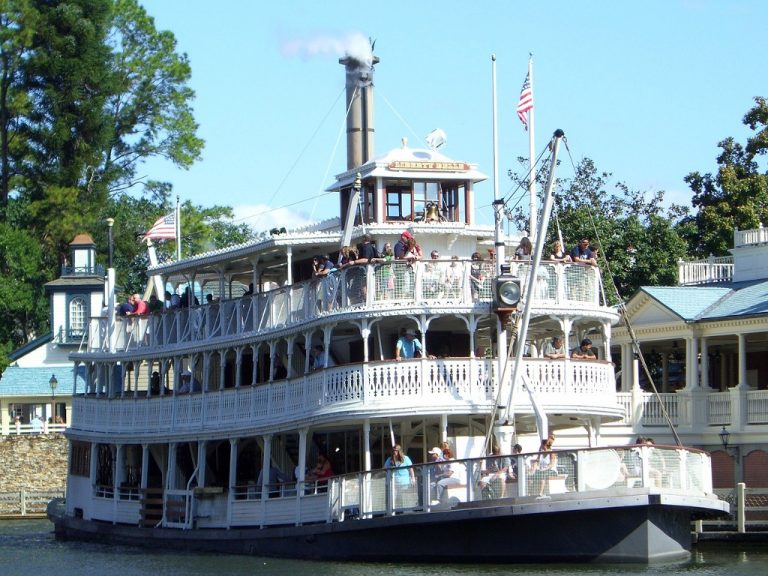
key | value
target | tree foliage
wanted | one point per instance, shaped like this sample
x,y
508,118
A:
x,y
638,243
89,89
736,196
150,112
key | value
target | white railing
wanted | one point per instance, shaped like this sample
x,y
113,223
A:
x,y
450,283
431,385
750,237
708,271
716,409
425,488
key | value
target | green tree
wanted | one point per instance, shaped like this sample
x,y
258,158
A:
x,y
639,244
18,20
23,303
150,112
736,197
68,78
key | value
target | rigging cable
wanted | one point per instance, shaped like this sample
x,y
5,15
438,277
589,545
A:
x,y
623,313
293,167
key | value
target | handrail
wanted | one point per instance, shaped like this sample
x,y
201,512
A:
x,y
381,386
454,283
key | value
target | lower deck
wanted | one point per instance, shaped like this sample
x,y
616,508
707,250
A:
x,y
624,504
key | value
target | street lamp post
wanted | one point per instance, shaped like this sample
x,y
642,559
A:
x,y
725,437
53,382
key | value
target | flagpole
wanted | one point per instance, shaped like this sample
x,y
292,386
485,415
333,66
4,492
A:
x,y
178,229
498,204
531,155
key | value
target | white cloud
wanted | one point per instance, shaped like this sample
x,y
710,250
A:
x,y
261,217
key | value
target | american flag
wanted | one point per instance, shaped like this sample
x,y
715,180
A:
x,y
163,229
526,101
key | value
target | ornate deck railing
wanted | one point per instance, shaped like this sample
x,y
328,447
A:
x,y
453,284
425,385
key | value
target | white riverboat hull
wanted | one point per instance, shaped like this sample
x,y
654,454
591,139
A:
x,y
630,525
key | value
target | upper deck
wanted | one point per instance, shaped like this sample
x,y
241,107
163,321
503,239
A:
x,y
436,287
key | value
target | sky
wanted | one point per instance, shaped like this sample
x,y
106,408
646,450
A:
x,y
645,89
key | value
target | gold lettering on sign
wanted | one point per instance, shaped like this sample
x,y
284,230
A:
x,y
414,165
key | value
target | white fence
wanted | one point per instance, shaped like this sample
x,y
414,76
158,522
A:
x,y
26,503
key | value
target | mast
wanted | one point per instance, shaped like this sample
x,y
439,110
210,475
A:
x,y
522,324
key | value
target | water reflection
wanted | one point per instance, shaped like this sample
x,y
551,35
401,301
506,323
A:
x,y
28,547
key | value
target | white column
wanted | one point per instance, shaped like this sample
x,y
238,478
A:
x,y
145,455
266,461
232,477
742,361
222,367
238,366
289,353
665,372
289,262
365,333
302,453
201,463
444,427
170,473
692,363
366,444
704,364
119,469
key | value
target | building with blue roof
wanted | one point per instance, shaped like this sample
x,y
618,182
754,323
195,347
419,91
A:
x,y
36,389
705,344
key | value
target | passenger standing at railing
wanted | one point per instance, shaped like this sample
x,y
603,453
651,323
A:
x,y
155,305
385,279
476,274
583,253
584,351
453,278
403,467
554,349
408,346
434,280
558,254
140,308
319,358
524,249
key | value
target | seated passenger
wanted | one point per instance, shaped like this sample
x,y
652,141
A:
x,y
554,349
494,475
321,471
455,473
543,467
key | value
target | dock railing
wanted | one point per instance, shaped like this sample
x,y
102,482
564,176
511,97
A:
x,y
30,503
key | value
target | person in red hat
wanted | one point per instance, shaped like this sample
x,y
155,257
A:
x,y
401,248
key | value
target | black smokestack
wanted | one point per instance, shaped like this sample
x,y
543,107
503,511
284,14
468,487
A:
x,y
359,108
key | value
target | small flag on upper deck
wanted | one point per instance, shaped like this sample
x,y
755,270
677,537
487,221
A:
x,y
163,229
526,101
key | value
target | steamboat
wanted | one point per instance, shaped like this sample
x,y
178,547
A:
x,y
199,428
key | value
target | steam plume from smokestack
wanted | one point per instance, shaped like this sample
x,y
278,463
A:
x,y
352,45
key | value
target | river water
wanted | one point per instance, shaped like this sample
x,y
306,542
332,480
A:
x,y
28,547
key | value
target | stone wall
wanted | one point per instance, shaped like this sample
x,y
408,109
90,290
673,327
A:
x,y
33,462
